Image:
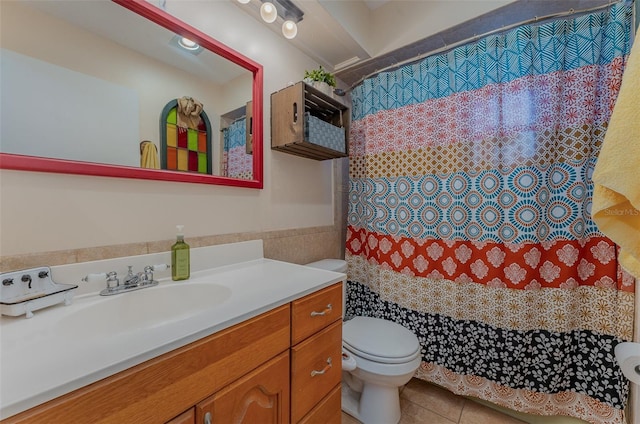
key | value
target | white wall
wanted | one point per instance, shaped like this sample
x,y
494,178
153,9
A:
x,y
42,212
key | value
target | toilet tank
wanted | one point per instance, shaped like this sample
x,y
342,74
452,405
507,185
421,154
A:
x,y
335,265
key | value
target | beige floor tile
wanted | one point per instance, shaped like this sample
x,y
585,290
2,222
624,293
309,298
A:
x,y
415,414
474,413
411,414
434,398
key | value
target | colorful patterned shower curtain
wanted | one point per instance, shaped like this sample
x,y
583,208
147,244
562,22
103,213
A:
x,y
236,162
469,215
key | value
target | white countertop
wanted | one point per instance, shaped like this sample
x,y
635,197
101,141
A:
x,y
44,357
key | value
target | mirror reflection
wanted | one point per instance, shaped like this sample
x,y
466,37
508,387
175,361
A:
x,y
85,89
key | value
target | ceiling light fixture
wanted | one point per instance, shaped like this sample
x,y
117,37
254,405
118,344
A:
x,y
268,12
288,12
289,29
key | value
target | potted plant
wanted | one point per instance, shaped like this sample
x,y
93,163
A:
x,y
321,79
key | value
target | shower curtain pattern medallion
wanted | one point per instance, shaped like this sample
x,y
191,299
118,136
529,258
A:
x,y
469,215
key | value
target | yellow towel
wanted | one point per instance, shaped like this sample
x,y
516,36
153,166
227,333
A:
x,y
149,155
616,194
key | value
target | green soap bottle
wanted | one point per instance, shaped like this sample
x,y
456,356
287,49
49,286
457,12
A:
x,y
180,259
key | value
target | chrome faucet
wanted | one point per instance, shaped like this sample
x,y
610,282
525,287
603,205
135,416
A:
x,y
130,282
131,279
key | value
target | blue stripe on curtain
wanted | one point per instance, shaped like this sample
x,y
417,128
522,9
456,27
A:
x,y
590,39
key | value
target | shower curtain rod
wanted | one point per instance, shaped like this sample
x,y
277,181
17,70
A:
x,y
476,37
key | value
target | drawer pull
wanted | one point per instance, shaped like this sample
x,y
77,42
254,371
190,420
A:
x,y
322,371
325,312
207,418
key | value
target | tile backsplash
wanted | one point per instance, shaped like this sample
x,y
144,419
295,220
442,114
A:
x,y
296,245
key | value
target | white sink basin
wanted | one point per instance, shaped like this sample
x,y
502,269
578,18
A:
x,y
143,309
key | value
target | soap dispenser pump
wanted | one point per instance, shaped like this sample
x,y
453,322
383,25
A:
x,y
180,258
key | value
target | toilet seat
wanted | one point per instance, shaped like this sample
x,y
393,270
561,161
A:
x,y
380,340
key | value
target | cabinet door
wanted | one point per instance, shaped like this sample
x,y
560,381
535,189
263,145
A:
x,y
187,417
262,396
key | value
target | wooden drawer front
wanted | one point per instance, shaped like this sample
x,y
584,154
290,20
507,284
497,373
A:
x,y
161,388
262,396
328,411
312,378
312,313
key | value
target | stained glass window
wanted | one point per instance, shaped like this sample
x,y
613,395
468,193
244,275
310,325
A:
x,y
185,149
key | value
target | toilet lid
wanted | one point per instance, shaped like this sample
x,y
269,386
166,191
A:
x,y
379,340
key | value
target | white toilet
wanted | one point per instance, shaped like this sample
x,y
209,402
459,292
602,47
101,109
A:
x,y
379,357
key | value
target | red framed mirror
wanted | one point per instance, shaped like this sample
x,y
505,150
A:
x,y
137,14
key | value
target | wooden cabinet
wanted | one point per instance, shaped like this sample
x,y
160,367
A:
x,y
249,373
316,355
306,122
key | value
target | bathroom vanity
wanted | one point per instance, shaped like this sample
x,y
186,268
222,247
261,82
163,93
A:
x,y
268,352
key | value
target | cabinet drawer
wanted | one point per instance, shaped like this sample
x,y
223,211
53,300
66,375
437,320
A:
x,y
316,368
314,312
328,411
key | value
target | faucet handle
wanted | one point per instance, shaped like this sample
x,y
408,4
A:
x,y
147,274
112,277
160,267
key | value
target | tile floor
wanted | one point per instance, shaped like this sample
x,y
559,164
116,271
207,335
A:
x,y
424,403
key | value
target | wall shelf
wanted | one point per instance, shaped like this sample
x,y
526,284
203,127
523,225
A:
x,y
308,123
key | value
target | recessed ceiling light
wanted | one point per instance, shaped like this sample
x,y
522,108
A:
x,y
184,44
188,44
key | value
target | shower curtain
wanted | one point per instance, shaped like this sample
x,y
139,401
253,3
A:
x,y
469,215
236,162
